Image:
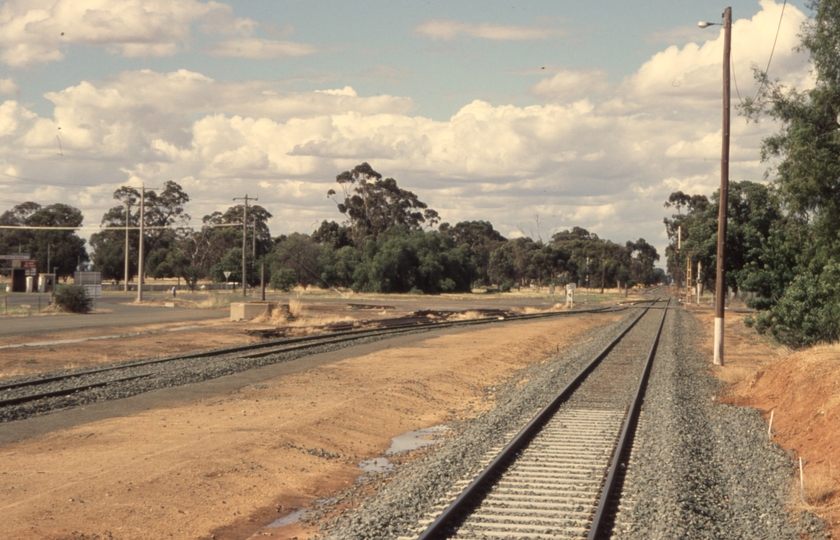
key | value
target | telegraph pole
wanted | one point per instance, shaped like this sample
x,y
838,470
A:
x,y
720,284
140,266
245,238
127,221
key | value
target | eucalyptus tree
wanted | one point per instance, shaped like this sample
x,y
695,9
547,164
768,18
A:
x,y
46,234
373,204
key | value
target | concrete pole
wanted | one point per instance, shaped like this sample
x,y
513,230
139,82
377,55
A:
x,y
127,221
697,281
720,283
140,266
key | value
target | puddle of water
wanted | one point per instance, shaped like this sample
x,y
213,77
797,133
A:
x,y
287,519
403,443
379,464
416,439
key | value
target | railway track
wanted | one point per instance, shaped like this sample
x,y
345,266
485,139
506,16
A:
x,y
558,476
25,396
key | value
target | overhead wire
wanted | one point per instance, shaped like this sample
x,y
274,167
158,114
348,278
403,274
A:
x,y
772,50
112,228
735,80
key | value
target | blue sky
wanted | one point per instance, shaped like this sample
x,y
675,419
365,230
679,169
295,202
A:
x,y
537,116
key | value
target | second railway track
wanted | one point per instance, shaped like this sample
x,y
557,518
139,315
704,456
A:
x,y
555,478
27,396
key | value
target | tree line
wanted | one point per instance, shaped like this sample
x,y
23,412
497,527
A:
x,y
782,240
389,242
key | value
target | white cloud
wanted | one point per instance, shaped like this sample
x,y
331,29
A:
x,y
447,29
568,85
261,48
690,75
9,87
569,160
39,31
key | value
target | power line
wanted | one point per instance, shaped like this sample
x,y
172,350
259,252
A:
x,y
767,69
735,79
113,228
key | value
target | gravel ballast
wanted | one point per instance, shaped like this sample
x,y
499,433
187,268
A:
x,y
699,469
168,374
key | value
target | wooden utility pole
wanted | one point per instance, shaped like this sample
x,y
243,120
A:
x,y
720,280
127,221
245,238
140,266
262,282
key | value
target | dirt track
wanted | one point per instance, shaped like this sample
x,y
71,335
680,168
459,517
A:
x,y
230,465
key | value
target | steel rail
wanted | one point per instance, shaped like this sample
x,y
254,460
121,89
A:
x,y
362,332
463,503
262,349
64,391
599,521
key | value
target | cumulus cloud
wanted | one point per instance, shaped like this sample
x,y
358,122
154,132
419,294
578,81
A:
x,y
261,48
570,85
590,153
39,31
447,29
690,75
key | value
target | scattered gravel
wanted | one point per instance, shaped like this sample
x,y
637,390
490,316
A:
x,y
408,494
702,469
699,469
168,374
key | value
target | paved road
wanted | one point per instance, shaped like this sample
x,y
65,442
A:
x,y
121,313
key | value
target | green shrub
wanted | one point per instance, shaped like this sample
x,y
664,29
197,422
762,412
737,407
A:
x,y
73,298
284,280
809,310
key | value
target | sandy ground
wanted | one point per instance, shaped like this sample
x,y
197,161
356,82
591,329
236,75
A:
x,y
802,391
27,354
226,467
148,341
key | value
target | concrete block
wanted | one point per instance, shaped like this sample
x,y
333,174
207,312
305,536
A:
x,y
245,311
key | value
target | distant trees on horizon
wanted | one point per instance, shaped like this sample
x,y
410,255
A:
x,y
386,244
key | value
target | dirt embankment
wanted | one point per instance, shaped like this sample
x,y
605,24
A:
x,y
226,467
802,392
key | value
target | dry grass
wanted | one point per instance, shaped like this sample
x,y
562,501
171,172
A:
x,y
294,314
732,374
467,316
534,310
296,308
820,486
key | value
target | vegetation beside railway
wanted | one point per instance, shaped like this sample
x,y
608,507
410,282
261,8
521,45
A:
x,y
782,241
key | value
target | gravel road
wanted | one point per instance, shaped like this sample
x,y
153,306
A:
x,y
699,469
